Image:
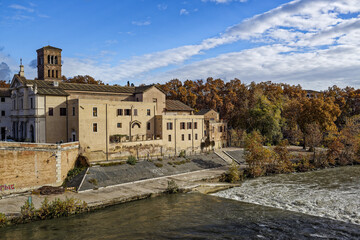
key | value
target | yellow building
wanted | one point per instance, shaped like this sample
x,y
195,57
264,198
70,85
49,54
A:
x,y
110,122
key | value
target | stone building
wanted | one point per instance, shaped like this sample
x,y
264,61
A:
x,y
106,120
5,111
215,128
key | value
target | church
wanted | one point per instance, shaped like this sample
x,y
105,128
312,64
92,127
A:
x,y
106,120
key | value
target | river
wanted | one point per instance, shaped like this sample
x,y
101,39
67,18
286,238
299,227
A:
x,y
264,208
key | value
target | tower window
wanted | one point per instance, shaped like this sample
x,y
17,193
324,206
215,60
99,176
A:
x,y
94,127
56,60
119,112
49,60
95,112
51,111
52,59
56,73
48,73
52,73
148,126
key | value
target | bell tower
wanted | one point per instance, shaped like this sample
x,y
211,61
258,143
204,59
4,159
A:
x,y
49,63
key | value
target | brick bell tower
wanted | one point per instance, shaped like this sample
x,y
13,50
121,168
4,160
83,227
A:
x,y
49,63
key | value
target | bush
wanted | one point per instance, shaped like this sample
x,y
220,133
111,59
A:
x,y
182,154
131,160
172,187
303,165
93,181
3,220
159,165
28,211
233,174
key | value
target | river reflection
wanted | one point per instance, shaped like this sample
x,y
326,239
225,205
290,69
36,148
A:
x,y
186,216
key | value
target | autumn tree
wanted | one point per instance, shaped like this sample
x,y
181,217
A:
x,y
83,80
4,84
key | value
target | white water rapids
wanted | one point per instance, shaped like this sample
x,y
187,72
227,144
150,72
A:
x,y
331,193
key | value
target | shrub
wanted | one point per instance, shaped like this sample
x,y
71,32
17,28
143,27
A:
x,y
131,160
93,181
28,211
172,187
159,165
282,158
3,220
182,154
303,165
233,174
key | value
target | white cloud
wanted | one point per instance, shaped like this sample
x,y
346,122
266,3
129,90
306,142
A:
x,y
141,23
162,7
304,41
20,7
184,12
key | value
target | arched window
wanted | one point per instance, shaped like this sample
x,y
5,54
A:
x,y
52,73
52,59
56,60
49,60
135,124
56,73
48,73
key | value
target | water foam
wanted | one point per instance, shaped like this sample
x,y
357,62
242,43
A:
x,y
332,193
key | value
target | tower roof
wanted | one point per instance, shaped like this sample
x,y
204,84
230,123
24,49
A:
x,y
49,47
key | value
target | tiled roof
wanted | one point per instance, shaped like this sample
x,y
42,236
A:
x,y
203,111
175,105
48,46
47,87
5,92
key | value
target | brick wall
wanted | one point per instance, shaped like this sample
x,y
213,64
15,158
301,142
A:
x,y
26,166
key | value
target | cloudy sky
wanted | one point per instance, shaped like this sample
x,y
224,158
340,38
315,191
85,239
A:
x,y
315,43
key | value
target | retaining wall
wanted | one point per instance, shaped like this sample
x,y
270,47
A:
x,y
25,166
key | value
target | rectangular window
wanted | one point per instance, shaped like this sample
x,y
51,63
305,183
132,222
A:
x,y
189,125
119,112
73,111
169,138
195,125
189,136
95,112
127,112
182,137
135,112
94,127
2,99
21,103
2,113
148,126
169,126
196,136
62,111
154,100
31,103
148,112
182,125
220,129
51,112
119,125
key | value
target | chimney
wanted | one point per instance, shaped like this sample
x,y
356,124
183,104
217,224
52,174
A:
x,y
21,73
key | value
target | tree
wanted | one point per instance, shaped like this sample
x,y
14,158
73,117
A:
x,y
83,80
4,84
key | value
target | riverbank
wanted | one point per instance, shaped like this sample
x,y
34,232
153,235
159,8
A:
x,y
126,192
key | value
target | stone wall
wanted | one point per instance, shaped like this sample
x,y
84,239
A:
x,y
25,166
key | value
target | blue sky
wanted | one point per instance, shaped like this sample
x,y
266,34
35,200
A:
x,y
314,43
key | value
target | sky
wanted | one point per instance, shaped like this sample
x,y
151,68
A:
x,y
314,43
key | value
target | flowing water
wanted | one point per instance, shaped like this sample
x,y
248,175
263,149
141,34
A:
x,y
333,193
195,216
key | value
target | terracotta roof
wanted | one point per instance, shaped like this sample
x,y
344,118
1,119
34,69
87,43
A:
x,y
203,111
47,88
175,105
5,92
